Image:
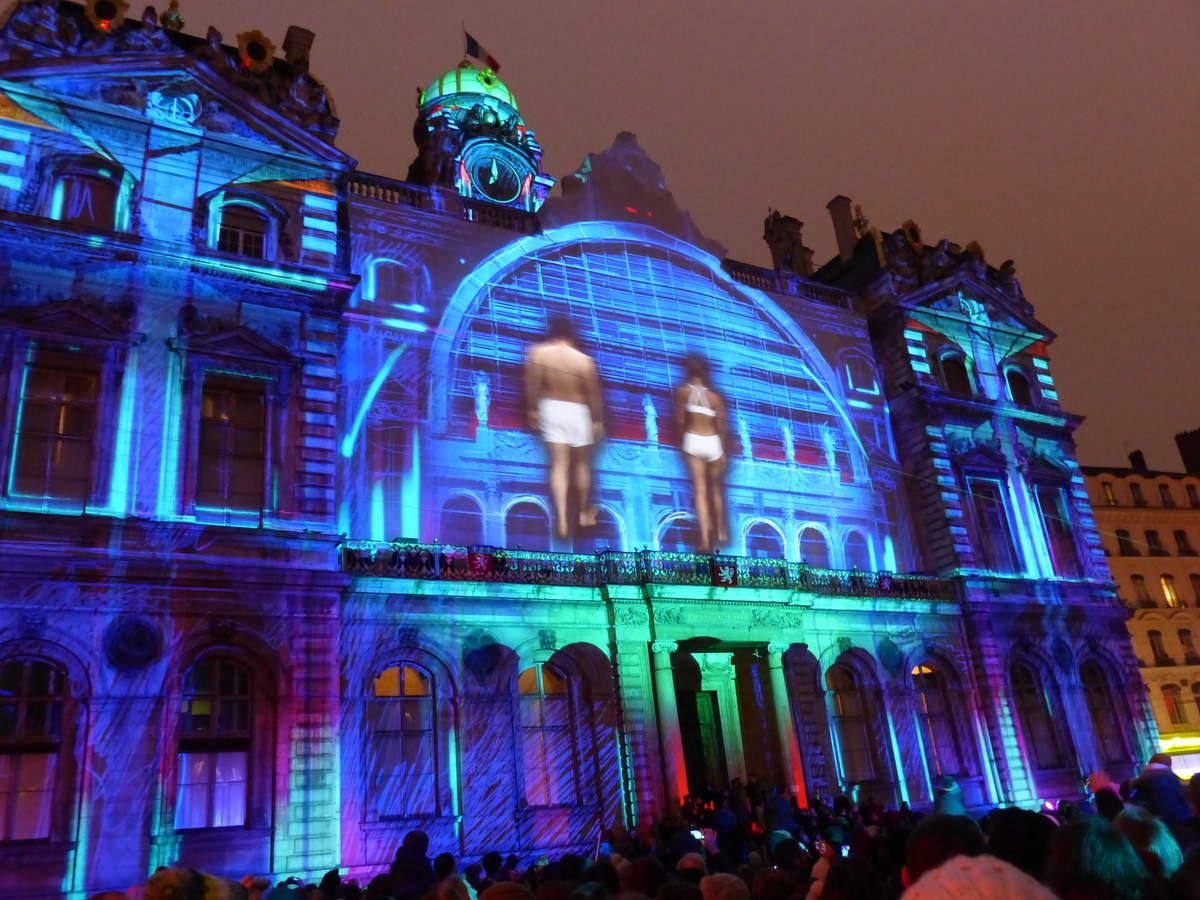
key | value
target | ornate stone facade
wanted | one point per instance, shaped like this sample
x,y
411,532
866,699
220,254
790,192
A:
x,y
279,579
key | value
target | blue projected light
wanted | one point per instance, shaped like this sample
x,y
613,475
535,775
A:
x,y
641,300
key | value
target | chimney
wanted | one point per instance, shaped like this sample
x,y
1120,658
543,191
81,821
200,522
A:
x,y
297,45
1137,461
843,226
1188,443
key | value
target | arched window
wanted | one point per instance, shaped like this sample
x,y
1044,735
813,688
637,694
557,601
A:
x,y
679,535
31,709
813,549
215,737
244,230
547,746
402,777
1189,646
858,554
462,522
527,527
1173,702
1196,695
860,375
937,720
764,541
1165,495
1018,387
955,376
86,197
604,535
1158,648
850,723
1105,727
1037,723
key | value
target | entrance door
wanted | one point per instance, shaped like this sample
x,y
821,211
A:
x,y
703,747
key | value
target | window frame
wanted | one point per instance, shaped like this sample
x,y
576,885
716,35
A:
x,y
227,457
65,329
1109,494
214,744
569,728
52,743
841,721
261,754
947,719
273,216
93,167
1030,399
373,812
1039,694
202,356
984,546
958,357
1173,705
1165,498
1061,540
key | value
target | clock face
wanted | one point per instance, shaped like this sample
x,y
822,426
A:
x,y
495,178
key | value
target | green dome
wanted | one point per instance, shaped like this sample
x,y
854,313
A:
x,y
467,79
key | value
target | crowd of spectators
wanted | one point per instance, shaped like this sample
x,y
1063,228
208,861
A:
x,y
1136,841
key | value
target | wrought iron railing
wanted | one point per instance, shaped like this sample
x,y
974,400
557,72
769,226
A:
x,y
448,562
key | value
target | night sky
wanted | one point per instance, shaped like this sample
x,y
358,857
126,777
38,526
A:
x,y
1064,135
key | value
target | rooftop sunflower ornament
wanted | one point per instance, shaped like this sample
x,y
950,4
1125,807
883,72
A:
x,y
255,51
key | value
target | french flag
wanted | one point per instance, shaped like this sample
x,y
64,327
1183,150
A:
x,y
476,50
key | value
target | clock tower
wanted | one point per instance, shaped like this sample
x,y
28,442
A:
x,y
470,136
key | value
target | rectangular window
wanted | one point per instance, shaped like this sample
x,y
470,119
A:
x,y
243,231
212,789
1195,580
1135,491
1052,501
1193,495
56,431
1109,496
1139,590
992,531
1154,543
1164,494
1125,545
1183,545
26,789
404,756
231,468
1169,592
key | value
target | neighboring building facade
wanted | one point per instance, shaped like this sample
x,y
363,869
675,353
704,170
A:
x,y
1149,522
282,574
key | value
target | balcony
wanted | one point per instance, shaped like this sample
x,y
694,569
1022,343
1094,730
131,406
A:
x,y
444,562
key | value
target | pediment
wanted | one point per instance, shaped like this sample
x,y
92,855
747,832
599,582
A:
x,y
964,308
49,52
84,319
619,184
235,342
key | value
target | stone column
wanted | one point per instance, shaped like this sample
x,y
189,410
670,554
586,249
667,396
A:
x,y
670,738
789,748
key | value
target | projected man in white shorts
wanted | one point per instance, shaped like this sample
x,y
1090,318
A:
x,y
564,406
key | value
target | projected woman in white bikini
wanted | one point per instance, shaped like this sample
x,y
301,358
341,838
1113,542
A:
x,y
700,418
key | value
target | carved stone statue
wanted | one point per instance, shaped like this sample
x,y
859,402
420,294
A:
x,y
651,419
482,400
